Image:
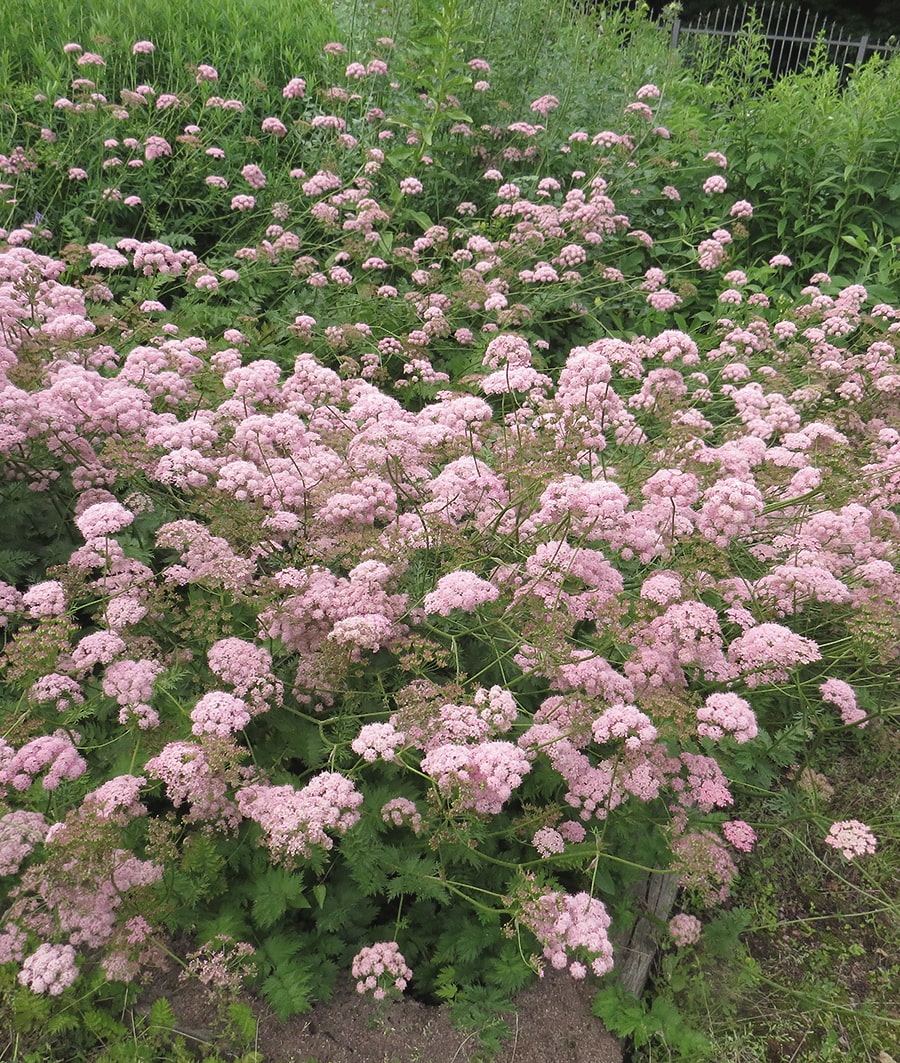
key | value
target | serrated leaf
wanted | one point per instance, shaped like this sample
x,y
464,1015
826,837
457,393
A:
x,y
242,1022
287,990
161,1016
276,891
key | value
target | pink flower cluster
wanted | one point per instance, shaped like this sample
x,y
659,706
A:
x,y
481,777
380,969
685,929
294,822
459,590
572,929
851,838
51,969
727,713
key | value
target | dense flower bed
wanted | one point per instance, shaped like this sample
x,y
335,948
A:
x,y
409,570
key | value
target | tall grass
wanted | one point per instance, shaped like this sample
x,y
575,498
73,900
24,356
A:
x,y
270,41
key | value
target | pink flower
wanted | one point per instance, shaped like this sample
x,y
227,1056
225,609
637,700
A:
x,y
685,929
401,811
295,89
204,72
254,176
274,126
20,832
243,202
851,838
715,184
726,713
156,147
544,105
459,590
143,48
741,835
769,653
411,186
569,926
742,209
294,821
103,519
45,599
377,740
380,969
218,713
51,969
843,696
548,842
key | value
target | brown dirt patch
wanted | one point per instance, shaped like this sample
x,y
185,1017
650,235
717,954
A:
x,y
552,1024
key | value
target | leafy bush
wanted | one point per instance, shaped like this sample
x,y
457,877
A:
x,y
432,524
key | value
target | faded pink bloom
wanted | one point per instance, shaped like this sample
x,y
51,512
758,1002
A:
x,y
741,835
377,740
274,126
411,186
715,185
852,838
51,969
685,929
295,89
843,696
570,926
220,714
20,833
45,599
103,519
727,713
380,970
548,842
459,590
401,811
544,105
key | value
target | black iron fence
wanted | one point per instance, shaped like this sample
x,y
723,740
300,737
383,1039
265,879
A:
x,y
791,32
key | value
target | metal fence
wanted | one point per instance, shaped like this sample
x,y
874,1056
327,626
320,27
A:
x,y
791,33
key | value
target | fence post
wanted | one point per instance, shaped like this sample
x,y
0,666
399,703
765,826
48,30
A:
x,y
863,47
676,26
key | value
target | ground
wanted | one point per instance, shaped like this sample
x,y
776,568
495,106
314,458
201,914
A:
x,y
552,1024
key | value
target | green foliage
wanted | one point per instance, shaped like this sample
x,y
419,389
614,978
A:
x,y
820,164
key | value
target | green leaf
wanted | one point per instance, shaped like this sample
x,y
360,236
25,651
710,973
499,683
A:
x,y
276,891
421,218
242,1022
161,1017
288,990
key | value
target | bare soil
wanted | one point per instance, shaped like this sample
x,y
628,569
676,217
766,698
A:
x,y
552,1024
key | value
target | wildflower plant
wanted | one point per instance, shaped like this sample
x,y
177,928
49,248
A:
x,y
432,557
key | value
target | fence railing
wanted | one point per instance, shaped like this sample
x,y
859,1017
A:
x,y
791,32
